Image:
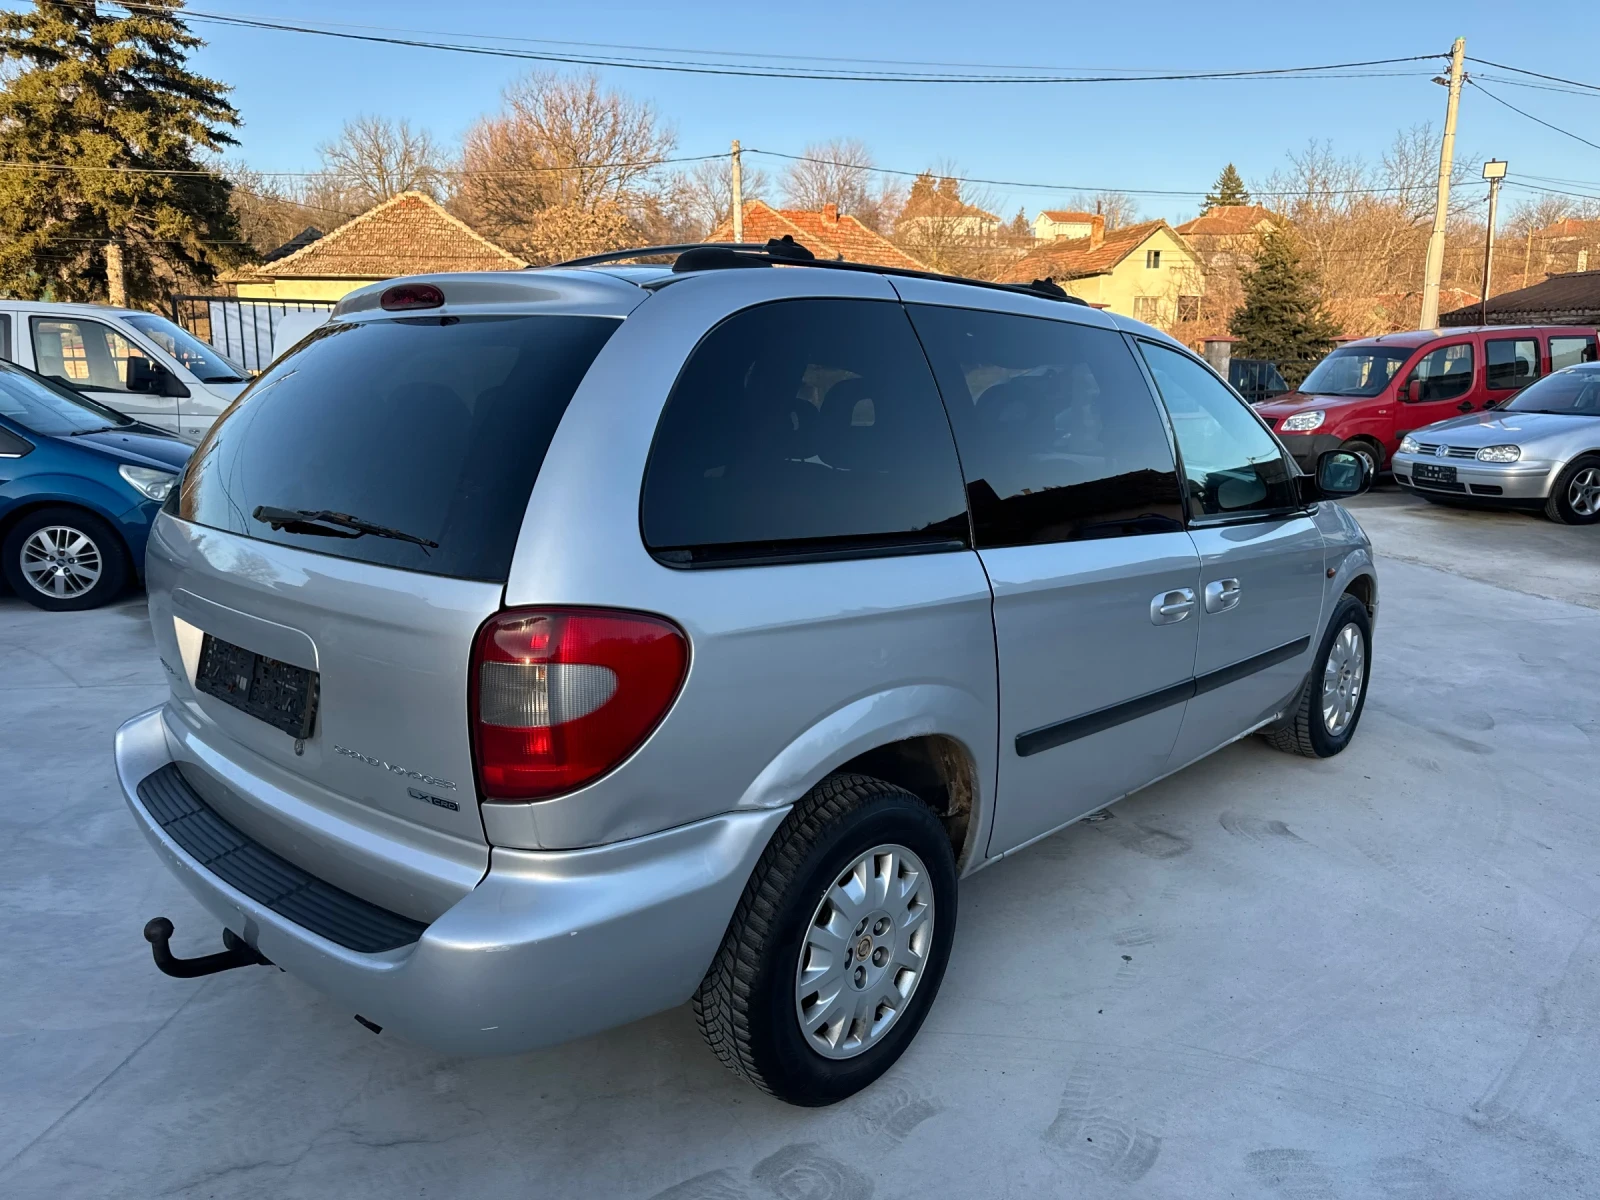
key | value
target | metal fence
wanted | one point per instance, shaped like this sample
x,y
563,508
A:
x,y
242,327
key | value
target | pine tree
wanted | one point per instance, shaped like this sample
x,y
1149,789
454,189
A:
x,y
1227,191
1282,317
106,107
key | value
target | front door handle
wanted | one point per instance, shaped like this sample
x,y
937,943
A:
x,y
1465,406
1169,608
1222,594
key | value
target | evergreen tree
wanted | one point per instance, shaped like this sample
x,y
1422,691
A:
x,y
106,107
1282,317
1227,191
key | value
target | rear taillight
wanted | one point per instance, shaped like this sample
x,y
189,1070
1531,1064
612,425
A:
x,y
560,696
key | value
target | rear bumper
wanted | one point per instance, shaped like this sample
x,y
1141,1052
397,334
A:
x,y
1487,481
551,945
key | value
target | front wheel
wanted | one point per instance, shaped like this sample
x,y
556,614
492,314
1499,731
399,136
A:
x,y
1368,453
838,946
1575,499
62,559
1330,703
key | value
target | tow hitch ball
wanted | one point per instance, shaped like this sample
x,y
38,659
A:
x,y
239,953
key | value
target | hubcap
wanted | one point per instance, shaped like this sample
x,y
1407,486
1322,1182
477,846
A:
x,y
1583,494
60,561
1342,679
865,951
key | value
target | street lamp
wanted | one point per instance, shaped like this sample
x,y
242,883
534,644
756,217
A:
x,y
1494,171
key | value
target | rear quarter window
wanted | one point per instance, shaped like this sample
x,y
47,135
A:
x,y
434,426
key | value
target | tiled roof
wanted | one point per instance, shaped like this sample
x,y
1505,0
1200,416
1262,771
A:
x,y
1576,292
1226,220
1076,258
826,234
298,242
407,235
1570,227
1062,217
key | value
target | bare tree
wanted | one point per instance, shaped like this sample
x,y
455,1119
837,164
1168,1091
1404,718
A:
x,y
375,159
840,172
272,209
1118,208
953,227
560,146
703,195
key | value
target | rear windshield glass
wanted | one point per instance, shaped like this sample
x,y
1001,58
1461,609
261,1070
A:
x,y
433,428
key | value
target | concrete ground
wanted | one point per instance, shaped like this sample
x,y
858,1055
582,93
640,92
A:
x,y
1376,976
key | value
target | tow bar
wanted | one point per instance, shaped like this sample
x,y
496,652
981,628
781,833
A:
x,y
239,953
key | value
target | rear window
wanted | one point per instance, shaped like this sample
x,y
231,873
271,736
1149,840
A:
x,y
434,427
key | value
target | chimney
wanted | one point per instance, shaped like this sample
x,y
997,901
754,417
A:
x,y
1097,232
830,213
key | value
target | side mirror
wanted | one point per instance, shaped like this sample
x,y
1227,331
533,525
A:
x,y
1413,391
152,378
1341,473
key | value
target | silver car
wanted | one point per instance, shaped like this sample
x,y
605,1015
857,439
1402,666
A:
x,y
1540,450
550,649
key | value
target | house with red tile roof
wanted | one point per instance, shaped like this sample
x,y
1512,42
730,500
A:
x,y
1055,223
1146,270
410,234
827,234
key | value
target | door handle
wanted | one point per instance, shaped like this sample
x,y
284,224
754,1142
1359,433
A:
x,y
1465,406
1169,608
1222,594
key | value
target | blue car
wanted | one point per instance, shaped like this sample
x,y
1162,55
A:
x,y
80,485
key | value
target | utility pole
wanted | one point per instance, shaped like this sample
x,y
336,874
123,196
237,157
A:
x,y
1494,171
1441,203
738,196
116,286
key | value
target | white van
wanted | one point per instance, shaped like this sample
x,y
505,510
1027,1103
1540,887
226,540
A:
x,y
139,363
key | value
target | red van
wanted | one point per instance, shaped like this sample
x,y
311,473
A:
x,y
1368,394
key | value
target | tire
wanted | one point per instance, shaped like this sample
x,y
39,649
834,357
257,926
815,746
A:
x,y
1370,451
750,1003
1308,730
1575,499
93,563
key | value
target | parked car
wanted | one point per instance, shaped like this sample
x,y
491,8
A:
x,y
139,363
79,486
627,636
1540,450
1256,379
1367,395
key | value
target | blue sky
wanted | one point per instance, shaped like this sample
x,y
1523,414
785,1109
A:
x,y
294,91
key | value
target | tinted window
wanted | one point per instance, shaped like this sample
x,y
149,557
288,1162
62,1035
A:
x,y
1059,435
1232,464
1511,362
1575,392
1445,373
1570,351
5,336
1355,371
85,352
11,446
46,409
432,426
804,426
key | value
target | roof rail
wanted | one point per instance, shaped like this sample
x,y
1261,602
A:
x,y
785,251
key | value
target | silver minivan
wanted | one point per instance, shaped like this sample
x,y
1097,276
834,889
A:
x,y
631,635
140,363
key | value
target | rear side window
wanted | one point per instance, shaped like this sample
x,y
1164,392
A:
x,y
803,428
1060,438
1570,351
1511,363
433,427
5,338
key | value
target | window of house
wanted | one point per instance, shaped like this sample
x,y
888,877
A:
x,y
86,353
1147,309
1569,351
1152,259
804,428
1188,308
1231,462
1511,363
1060,437
1445,373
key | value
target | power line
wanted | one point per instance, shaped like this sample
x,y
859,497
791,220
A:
x,y
1577,83
679,66
1537,120
16,165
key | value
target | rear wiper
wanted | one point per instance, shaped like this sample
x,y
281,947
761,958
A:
x,y
323,523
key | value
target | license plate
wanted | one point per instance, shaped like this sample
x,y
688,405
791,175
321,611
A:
x,y
279,693
1434,474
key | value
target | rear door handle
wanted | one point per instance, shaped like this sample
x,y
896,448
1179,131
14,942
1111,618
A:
x,y
1169,608
1222,594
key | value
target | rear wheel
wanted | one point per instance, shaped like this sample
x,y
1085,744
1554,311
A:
x,y
1575,499
838,946
62,559
1329,705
